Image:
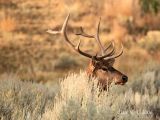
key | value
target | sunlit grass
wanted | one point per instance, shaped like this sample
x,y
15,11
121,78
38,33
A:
x,y
23,100
80,98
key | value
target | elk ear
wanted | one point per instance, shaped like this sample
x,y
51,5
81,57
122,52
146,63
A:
x,y
111,62
93,61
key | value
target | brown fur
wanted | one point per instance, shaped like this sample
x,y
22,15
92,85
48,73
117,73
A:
x,y
105,75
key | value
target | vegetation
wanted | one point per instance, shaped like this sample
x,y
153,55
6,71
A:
x,y
81,99
77,97
32,62
151,43
29,52
65,61
150,5
23,100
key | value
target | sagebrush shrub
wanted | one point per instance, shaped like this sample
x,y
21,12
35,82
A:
x,y
80,99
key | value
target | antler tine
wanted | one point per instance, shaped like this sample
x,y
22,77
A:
x,y
110,53
115,56
110,44
82,33
98,39
63,31
96,36
77,48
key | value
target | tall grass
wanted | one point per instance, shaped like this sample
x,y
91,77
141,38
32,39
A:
x,y
80,99
23,100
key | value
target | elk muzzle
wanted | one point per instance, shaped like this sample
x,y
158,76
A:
x,y
118,77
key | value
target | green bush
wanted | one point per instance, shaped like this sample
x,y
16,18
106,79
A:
x,y
65,61
150,5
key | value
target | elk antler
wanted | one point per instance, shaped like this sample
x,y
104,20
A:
x,y
63,31
105,56
111,56
96,36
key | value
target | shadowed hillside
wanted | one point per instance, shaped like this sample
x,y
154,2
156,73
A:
x,y
28,51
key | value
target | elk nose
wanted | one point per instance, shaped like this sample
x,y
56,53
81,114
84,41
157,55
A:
x,y
124,78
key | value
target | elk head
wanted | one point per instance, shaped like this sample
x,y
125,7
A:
x,y
101,64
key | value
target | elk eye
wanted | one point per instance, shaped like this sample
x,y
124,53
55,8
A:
x,y
111,69
104,68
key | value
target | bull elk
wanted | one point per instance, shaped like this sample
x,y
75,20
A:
x,y
101,64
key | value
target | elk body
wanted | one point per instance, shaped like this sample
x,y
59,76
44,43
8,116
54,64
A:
x,y
101,64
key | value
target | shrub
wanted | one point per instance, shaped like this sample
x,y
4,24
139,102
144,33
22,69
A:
x,y
151,42
146,80
65,61
23,100
150,5
80,98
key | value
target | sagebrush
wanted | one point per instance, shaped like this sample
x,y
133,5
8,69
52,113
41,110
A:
x,y
80,99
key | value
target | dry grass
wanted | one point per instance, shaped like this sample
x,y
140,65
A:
x,y
7,24
27,50
79,99
23,100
